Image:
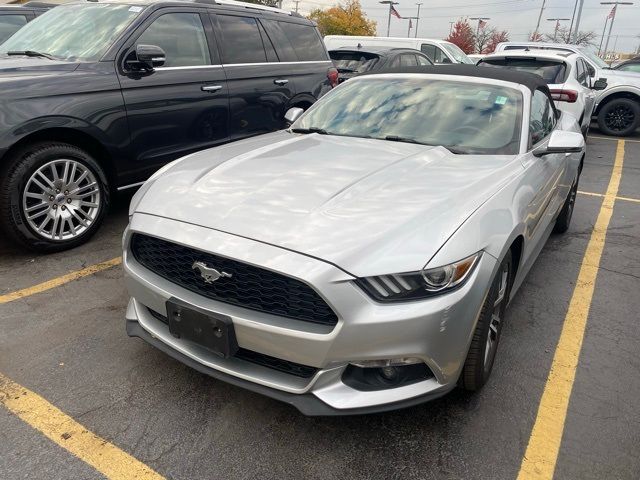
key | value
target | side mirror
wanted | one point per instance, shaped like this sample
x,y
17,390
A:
x,y
599,84
293,114
146,57
561,141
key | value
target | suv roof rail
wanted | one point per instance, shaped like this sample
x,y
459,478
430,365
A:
x,y
255,6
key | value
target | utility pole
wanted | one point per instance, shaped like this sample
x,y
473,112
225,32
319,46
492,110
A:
x,y
417,20
535,32
577,27
604,30
555,30
391,3
573,17
451,24
296,2
613,18
409,27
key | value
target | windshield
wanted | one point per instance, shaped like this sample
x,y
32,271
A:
x,y
458,55
551,71
461,116
348,62
75,32
593,58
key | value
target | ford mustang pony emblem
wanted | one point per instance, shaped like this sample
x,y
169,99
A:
x,y
209,274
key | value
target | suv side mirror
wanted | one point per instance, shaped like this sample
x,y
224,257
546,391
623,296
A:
x,y
293,114
561,141
146,57
599,84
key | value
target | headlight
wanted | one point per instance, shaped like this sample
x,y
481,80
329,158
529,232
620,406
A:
x,y
423,284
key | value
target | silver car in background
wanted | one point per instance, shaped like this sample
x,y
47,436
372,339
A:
x,y
566,74
362,259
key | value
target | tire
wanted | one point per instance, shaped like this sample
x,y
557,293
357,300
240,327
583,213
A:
x,y
619,117
484,344
564,219
48,181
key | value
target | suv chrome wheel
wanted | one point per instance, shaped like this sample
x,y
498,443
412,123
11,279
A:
x,y
61,200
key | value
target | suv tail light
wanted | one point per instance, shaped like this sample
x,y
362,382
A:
x,y
563,95
332,75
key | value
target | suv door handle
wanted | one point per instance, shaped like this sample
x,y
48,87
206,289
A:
x,y
281,81
210,88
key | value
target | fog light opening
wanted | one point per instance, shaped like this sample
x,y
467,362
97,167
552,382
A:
x,y
370,375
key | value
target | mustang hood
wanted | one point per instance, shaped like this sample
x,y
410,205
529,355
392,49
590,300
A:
x,y
367,206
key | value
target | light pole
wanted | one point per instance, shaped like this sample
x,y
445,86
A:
x,y
555,30
417,20
535,32
575,31
451,24
391,3
573,17
613,18
409,27
604,30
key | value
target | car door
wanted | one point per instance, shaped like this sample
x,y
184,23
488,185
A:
x,y
182,106
584,79
544,175
259,85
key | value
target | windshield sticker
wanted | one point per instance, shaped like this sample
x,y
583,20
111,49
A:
x,y
135,9
501,100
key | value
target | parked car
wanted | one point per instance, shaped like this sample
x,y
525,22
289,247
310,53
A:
x,y
566,74
475,57
351,62
617,106
632,65
438,51
97,96
362,259
14,17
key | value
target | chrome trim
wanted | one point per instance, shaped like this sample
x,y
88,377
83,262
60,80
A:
x,y
160,69
273,63
133,185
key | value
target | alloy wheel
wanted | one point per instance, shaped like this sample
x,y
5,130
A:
x,y
61,200
496,318
620,118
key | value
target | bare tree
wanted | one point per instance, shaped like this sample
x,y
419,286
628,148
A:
x,y
482,37
268,3
564,36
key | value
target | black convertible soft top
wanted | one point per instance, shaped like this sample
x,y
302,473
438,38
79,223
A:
x,y
531,81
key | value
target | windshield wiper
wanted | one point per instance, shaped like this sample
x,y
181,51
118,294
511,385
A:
x,y
31,53
320,131
396,138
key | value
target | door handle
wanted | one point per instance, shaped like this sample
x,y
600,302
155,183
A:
x,y
281,81
210,88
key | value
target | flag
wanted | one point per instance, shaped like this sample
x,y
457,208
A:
x,y
394,12
612,13
482,24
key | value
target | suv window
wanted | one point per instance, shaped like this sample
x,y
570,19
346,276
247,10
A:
x,y
181,36
429,51
581,72
543,118
305,40
10,24
241,40
349,62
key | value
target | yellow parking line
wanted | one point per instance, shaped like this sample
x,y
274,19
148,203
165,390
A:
x,y
626,199
105,457
540,458
615,139
56,282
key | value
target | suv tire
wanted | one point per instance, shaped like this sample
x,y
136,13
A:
x,y
484,344
619,117
53,196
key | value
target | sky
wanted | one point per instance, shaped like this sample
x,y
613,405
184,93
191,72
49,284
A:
x,y
518,17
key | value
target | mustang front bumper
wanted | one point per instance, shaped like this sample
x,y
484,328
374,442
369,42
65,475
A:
x,y
437,330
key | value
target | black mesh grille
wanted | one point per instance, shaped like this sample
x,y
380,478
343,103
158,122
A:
x,y
285,366
249,287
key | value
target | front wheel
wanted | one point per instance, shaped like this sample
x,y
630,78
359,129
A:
x,y
484,344
564,219
53,196
619,117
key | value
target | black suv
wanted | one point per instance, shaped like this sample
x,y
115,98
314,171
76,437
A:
x,y
14,17
95,96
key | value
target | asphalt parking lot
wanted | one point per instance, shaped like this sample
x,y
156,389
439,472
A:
x,y
63,345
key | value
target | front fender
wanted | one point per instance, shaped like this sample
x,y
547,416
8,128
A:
x,y
617,89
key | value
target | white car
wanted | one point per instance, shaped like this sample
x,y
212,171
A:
x,y
566,74
618,105
438,51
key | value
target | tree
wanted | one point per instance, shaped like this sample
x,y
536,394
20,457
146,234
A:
x,y
564,36
482,37
536,37
462,36
495,39
347,19
268,3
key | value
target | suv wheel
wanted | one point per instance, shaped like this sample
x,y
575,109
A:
x,y
53,196
620,117
484,344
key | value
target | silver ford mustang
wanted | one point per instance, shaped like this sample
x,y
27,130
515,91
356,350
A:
x,y
362,259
